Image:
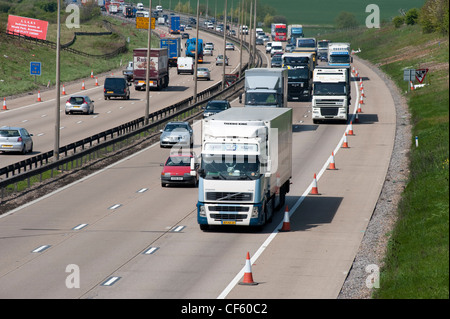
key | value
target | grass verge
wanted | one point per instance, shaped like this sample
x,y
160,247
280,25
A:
x,y
417,260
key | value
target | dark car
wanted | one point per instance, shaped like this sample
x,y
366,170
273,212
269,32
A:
x,y
215,106
259,41
276,61
116,87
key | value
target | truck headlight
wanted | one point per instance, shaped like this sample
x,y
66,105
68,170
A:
x,y
255,212
202,211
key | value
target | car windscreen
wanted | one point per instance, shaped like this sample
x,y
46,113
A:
x,y
216,106
178,161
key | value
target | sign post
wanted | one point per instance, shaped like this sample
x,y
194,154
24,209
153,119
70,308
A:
x,y
409,75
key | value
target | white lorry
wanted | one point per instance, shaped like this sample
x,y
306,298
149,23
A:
x,y
266,87
246,166
331,93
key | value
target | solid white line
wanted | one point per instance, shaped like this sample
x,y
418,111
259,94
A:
x,y
269,239
115,206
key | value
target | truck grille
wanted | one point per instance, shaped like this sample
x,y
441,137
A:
x,y
228,216
229,196
337,102
228,208
329,111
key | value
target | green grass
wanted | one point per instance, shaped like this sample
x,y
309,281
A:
x,y
309,12
417,261
15,73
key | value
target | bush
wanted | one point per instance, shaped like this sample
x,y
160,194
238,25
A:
x,y
346,20
412,16
433,16
398,21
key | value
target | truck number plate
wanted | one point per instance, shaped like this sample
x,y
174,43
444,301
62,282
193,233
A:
x,y
228,222
109,91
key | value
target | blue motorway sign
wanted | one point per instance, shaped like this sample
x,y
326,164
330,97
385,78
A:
x,y
35,68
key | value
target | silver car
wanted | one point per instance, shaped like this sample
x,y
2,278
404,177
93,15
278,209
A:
x,y
177,133
80,104
203,73
15,139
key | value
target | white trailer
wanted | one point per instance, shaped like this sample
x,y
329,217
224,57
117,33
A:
x,y
246,166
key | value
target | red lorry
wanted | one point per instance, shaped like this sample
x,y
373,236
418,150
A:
x,y
159,68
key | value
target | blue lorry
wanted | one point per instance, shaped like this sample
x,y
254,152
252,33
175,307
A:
x,y
174,25
173,46
190,49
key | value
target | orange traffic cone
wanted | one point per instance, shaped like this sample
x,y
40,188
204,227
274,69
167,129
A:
x,y
63,90
362,92
4,103
314,190
96,81
350,129
92,74
82,86
39,97
361,101
332,165
248,277
411,85
356,118
345,144
286,224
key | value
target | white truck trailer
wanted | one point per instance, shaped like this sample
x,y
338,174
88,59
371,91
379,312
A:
x,y
331,93
246,166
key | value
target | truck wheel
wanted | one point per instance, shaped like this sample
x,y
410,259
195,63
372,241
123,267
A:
x,y
204,227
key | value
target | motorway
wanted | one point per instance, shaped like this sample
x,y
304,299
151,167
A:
x,y
130,238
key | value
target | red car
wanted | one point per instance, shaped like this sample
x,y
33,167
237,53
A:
x,y
177,170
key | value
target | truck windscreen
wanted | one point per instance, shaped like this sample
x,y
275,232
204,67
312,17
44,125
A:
x,y
295,61
261,99
306,43
298,74
230,167
339,58
329,88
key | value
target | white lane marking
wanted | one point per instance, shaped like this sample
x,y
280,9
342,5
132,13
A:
x,y
177,229
110,281
40,249
150,250
269,239
115,206
142,190
81,226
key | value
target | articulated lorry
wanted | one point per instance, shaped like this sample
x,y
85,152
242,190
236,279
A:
x,y
300,67
339,54
278,32
266,87
294,31
331,93
159,68
190,49
322,50
308,45
173,46
174,25
246,166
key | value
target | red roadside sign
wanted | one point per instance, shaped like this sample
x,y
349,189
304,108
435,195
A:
x,y
27,27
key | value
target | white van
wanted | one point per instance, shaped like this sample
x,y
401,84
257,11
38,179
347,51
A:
x,y
276,47
185,65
